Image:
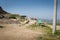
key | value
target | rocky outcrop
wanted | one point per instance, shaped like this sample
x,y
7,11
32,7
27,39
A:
x,y
3,14
2,11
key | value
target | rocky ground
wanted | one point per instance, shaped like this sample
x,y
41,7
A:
x,y
18,32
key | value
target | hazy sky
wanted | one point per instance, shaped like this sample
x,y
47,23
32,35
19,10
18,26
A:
x,y
31,8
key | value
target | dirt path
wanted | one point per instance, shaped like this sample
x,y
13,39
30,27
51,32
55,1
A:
x,y
15,32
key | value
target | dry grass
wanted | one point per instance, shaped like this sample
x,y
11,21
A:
x,y
57,28
15,32
26,32
47,32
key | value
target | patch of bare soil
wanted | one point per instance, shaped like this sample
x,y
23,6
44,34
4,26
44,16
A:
x,y
17,32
